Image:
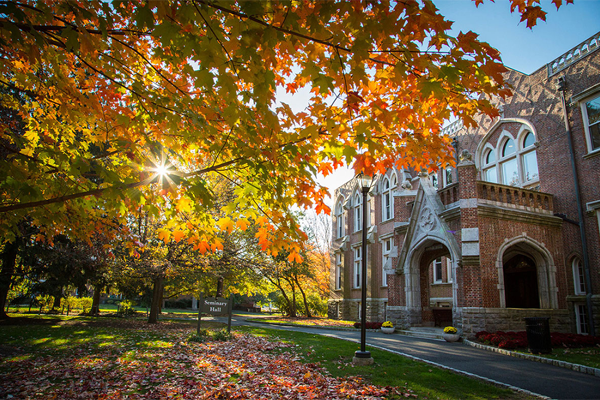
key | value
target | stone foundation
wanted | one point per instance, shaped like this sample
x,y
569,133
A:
x,y
348,310
475,319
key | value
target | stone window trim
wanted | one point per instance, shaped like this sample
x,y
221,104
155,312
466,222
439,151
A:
x,y
357,209
338,273
578,276
581,319
437,271
583,100
484,142
493,160
387,199
357,269
448,176
387,245
339,219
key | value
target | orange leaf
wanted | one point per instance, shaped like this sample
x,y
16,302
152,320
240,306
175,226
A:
x,y
178,235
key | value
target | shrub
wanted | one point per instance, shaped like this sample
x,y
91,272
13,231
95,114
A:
x,y
508,344
204,334
181,303
519,339
387,324
222,336
126,308
85,303
369,325
497,339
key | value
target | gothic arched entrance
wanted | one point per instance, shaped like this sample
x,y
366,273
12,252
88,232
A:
x,y
430,283
527,275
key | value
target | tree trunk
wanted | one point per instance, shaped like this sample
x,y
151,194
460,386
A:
x,y
306,309
9,259
57,298
156,297
279,286
96,301
220,287
293,307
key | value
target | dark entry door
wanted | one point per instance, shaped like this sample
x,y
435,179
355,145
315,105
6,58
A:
x,y
520,283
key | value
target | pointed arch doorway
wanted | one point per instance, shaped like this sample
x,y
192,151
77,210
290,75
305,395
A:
x,y
430,289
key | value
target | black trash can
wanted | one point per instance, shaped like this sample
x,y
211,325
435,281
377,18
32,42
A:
x,y
538,335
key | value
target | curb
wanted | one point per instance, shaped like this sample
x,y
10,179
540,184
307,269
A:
x,y
562,364
457,371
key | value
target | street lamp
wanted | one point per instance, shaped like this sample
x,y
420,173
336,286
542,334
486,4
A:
x,y
363,357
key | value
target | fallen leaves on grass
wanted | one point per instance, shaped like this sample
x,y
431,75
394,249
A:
x,y
314,321
165,366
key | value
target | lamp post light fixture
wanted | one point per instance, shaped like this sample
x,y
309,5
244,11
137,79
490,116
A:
x,y
362,356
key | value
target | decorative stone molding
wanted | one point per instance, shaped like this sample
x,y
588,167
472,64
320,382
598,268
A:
x,y
489,211
465,157
401,227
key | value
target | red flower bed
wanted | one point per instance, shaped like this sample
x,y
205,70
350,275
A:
x,y
513,340
369,325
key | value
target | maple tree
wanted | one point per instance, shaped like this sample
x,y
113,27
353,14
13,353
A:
x,y
109,107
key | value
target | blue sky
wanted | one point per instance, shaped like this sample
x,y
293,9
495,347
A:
x,y
523,49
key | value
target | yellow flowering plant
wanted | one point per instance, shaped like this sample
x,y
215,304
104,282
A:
x,y
450,329
387,324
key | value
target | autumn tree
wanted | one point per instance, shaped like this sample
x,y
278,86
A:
x,y
109,107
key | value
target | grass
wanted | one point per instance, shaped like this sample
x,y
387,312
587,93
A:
x,y
389,369
588,356
30,338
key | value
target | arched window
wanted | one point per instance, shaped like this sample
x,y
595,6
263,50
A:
x,y
434,179
357,212
509,167
386,200
529,159
339,216
448,178
578,277
490,173
513,163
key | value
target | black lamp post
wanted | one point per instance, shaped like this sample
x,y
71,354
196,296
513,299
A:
x,y
363,356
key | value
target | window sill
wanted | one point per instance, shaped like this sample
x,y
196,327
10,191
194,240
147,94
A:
x,y
441,283
592,154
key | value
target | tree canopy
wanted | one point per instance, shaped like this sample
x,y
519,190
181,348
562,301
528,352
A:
x,y
111,107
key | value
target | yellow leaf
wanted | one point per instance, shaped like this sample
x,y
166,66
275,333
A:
x,y
183,205
225,224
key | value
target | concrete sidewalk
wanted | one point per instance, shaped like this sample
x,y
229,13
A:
x,y
529,376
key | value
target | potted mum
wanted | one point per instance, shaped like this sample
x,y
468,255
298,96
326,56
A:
x,y
450,334
387,327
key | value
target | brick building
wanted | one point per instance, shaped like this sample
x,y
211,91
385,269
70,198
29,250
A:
x,y
511,232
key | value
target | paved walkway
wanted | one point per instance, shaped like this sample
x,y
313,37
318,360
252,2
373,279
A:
x,y
542,379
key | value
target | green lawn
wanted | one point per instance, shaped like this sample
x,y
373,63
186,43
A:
x,y
588,356
54,354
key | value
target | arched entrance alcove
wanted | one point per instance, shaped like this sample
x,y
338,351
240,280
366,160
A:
x,y
419,299
526,275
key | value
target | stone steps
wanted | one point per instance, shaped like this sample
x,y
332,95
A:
x,y
422,332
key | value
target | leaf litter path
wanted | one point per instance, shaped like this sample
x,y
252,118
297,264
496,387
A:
x,y
158,363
